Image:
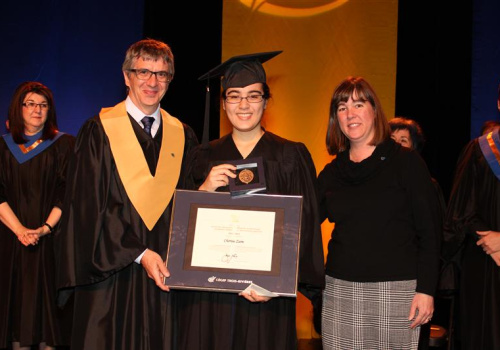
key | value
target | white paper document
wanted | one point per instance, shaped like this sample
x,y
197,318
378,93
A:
x,y
233,239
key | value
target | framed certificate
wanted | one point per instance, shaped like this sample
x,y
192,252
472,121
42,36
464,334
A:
x,y
223,243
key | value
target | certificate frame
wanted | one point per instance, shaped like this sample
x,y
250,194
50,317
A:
x,y
279,276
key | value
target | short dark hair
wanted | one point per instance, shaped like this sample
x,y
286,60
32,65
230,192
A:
x,y
15,114
150,49
416,133
336,141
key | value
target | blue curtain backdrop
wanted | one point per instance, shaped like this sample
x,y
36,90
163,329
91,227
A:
x,y
76,48
485,63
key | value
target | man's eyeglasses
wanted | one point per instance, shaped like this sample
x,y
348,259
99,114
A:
x,y
145,74
33,105
254,98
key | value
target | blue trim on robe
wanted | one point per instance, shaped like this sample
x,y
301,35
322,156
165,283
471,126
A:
x,y
23,157
489,154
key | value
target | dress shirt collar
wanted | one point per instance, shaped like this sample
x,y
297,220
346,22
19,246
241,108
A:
x,y
138,115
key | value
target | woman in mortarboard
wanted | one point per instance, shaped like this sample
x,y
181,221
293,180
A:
x,y
33,161
216,320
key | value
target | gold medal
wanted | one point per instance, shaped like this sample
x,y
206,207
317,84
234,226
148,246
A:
x,y
246,176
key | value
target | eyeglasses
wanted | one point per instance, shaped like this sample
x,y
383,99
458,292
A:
x,y
145,74
33,105
254,98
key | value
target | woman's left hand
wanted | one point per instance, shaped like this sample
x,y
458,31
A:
x,y
24,236
34,235
27,240
422,309
254,297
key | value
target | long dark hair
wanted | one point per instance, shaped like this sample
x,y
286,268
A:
x,y
15,114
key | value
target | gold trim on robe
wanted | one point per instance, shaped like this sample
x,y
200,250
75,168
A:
x,y
25,149
493,146
150,195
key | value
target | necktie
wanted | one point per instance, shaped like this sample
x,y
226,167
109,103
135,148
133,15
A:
x,y
147,122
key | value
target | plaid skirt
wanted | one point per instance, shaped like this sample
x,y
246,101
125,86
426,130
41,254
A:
x,y
368,315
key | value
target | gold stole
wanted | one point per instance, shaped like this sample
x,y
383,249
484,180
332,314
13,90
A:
x,y
493,146
490,144
149,195
25,149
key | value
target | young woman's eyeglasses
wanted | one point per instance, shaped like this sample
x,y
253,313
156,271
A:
x,y
254,98
33,105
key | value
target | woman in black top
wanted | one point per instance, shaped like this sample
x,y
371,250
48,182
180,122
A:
x,y
383,256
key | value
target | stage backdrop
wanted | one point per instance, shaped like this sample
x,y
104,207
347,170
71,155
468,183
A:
x,y
323,42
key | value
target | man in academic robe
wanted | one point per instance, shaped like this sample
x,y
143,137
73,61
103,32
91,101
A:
x,y
472,241
113,238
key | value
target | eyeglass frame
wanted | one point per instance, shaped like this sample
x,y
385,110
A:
x,y
135,71
43,106
241,98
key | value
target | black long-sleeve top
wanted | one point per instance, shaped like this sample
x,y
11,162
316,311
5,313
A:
x,y
385,210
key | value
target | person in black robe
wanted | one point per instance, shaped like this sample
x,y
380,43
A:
x,y
113,239
472,240
409,133
33,160
219,320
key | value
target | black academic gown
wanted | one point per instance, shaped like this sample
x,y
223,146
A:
x,y
474,205
28,312
117,306
220,321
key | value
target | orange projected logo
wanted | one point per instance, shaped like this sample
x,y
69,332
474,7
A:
x,y
278,7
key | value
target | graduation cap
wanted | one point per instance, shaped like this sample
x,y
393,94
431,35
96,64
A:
x,y
237,71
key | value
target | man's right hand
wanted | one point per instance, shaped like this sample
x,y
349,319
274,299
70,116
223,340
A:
x,y
155,268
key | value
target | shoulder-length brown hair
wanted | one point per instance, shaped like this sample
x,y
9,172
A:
x,y
336,141
15,114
